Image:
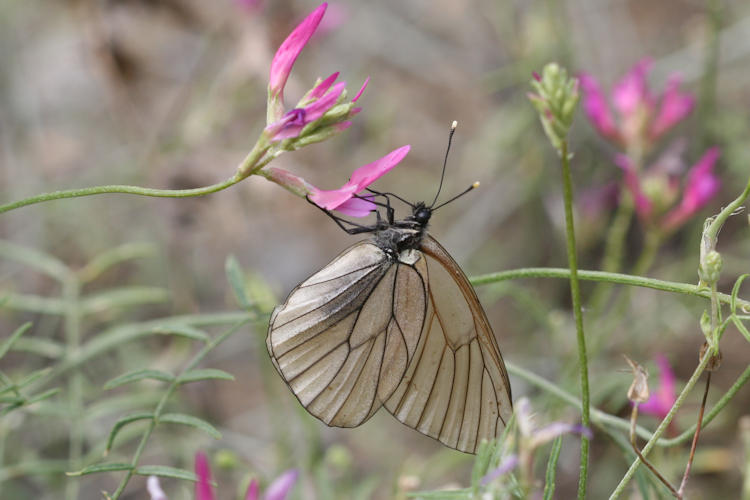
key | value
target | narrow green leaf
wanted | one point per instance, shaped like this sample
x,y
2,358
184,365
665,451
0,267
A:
x,y
114,256
123,297
164,471
41,347
33,377
204,374
736,291
183,331
741,328
106,467
35,304
122,422
554,456
42,396
42,262
8,343
181,418
237,281
137,375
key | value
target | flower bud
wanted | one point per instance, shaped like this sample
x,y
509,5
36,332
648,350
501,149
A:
x,y
555,100
710,267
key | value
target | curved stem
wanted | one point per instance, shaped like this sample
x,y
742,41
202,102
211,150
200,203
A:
x,y
116,188
622,279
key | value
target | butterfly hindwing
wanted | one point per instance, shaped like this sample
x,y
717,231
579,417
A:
x,y
408,333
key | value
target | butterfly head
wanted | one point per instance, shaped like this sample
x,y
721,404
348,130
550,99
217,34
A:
x,y
421,214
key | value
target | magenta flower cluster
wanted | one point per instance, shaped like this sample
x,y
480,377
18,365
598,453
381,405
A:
x,y
321,112
279,489
640,120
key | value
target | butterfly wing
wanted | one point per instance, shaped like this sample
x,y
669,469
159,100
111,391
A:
x,y
456,388
343,339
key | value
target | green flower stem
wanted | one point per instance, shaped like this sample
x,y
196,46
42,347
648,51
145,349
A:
x,y
712,231
577,312
613,249
163,401
90,191
617,278
662,426
72,328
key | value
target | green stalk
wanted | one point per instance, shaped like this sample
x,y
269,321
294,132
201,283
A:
x,y
163,401
71,295
575,291
617,278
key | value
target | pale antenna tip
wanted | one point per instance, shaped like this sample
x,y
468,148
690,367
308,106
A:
x,y
475,185
454,125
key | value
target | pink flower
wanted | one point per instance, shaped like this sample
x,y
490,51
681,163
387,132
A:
x,y
701,186
655,189
639,121
317,102
343,199
277,490
290,49
675,106
665,395
596,108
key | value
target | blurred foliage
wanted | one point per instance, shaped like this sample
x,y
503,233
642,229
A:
x,y
169,94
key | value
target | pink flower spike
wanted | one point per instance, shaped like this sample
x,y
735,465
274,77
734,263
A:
x,y
290,49
675,106
323,86
643,205
253,491
294,120
632,90
596,108
282,485
702,185
362,89
663,398
203,490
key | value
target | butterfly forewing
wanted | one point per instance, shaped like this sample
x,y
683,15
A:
x,y
408,333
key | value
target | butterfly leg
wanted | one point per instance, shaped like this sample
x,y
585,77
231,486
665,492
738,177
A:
x,y
357,229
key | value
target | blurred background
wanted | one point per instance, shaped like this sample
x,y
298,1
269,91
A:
x,y
171,94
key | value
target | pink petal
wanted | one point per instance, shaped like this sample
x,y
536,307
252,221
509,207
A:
x,y
357,207
317,108
280,488
702,185
203,490
367,174
643,205
361,89
323,86
596,108
341,126
331,200
663,398
253,490
675,106
632,90
290,49
338,14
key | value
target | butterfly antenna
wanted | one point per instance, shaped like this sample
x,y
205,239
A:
x,y
473,186
445,161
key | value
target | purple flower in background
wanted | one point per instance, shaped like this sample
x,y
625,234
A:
x,y
641,118
277,490
663,398
343,199
154,489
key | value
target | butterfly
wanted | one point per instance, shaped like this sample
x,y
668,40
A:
x,y
393,321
